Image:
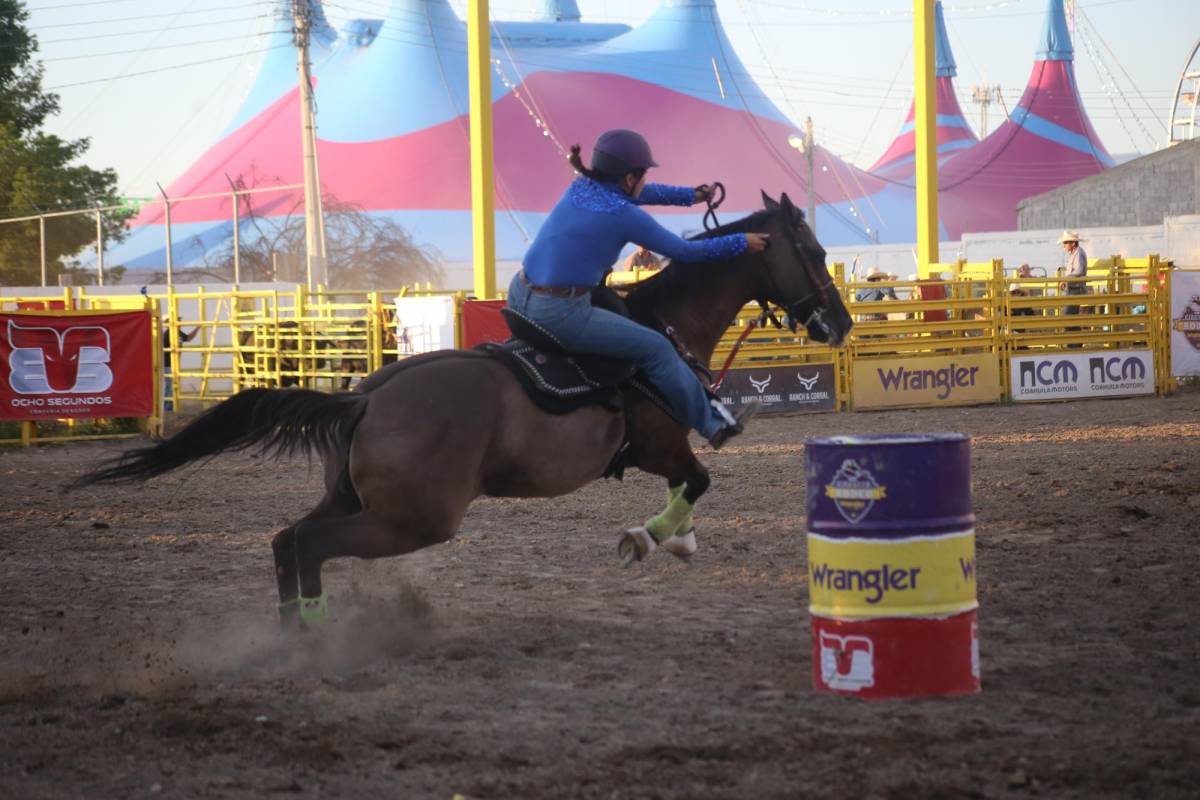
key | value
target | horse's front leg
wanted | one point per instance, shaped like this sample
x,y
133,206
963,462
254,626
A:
x,y
672,529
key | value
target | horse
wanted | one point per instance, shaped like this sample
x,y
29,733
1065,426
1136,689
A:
x,y
418,440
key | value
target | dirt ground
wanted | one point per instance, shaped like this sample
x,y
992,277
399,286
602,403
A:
x,y
140,656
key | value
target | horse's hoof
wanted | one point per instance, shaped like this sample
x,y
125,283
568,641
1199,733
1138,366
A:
x,y
289,616
681,546
636,544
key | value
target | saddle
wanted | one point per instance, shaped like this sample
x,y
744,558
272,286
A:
x,y
558,382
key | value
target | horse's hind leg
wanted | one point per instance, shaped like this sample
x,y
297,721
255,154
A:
x,y
337,503
366,534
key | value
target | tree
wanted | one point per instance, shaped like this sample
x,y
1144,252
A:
x,y
39,172
362,251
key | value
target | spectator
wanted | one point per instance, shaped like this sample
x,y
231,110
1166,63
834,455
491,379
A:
x,y
642,259
871,294
168,382
1017,290
1024,271
1075,267
876,293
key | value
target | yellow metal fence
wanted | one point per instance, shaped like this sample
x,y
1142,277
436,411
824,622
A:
x,y
218,343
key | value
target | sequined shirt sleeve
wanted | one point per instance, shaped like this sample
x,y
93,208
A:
x,y
641,228
661,194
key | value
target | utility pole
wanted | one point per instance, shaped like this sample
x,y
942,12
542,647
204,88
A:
x,y
984,96
812,189
805,145
314,217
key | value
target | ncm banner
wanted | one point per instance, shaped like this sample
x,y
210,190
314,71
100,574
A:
x,y
83,364
1111,373
926,381
812,387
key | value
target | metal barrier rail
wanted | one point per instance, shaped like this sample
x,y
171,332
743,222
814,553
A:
x,y
328,340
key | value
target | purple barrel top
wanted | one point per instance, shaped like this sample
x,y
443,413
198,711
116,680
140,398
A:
x,y
889,486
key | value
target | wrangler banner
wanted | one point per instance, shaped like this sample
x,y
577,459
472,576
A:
x,y
922,576
77,364
926,381
482,323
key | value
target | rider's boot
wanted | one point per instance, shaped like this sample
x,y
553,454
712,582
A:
x,y
734,423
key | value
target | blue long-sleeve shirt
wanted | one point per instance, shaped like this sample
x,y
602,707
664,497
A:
x,y
586,230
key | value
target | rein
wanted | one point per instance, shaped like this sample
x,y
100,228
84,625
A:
x,y
714,199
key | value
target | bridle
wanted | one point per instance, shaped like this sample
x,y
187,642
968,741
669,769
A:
x,y
821,283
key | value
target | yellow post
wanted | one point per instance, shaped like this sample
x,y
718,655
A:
x,y
483,221
925,121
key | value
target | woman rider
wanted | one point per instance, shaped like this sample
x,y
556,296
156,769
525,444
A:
x,y
583,236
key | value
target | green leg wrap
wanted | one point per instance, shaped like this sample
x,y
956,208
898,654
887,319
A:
x,y
674,492
673,518
314,610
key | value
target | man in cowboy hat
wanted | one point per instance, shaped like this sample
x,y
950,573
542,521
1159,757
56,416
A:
x,y
1075,267
872,294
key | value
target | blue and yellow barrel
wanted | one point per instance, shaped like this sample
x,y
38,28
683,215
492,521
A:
x,y
891,565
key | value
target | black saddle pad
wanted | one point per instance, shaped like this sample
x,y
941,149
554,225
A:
x,y
559,383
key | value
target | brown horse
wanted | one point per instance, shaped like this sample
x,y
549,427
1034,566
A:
x,y
408,451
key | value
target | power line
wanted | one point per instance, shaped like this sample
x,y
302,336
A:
x,y
238,7
163,69
145,31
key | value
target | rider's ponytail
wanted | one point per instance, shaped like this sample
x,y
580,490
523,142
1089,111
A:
x,y
577,162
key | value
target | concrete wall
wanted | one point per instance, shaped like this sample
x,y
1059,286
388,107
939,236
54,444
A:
x,y
1144,191
1177,238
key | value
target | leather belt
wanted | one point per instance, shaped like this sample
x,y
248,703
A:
x,y
556,291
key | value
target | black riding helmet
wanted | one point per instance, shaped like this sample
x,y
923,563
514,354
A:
x,y
619,152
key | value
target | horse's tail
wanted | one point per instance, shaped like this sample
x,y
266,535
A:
x,y
279,421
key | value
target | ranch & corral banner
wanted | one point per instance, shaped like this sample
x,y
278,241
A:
x,y
1111,373
1185,323
78,364
811,387
926,381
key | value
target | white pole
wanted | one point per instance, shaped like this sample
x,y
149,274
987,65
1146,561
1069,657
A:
x,y
313,216
237,258
42,245
170,255
99,249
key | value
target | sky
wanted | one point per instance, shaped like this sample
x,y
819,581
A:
x,y
847,63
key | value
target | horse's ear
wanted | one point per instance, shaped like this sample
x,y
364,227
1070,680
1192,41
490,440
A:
x,y
769,202
786,202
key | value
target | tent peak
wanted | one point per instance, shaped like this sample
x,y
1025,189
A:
x,y
1055,42
946,68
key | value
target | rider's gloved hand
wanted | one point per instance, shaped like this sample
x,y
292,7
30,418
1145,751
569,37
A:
x,y
704,192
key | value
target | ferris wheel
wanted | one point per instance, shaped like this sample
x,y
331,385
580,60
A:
x,y
1182,127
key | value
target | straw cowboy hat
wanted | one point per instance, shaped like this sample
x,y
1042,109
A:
x,y
1068,236
877,274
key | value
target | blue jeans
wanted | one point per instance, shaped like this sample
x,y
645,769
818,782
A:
x,y
585,329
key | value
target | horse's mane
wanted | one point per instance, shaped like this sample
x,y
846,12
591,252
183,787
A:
x,y
674,280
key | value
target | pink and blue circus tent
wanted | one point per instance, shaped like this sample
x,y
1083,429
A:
x,y
953,134
391,95
393,129
1046,142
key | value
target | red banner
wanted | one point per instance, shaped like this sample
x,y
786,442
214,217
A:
x,y
76,365
482,323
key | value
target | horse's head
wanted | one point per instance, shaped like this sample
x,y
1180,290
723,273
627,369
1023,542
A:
x,y
795,277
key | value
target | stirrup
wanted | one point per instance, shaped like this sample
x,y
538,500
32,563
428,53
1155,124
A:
x,y
739,424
